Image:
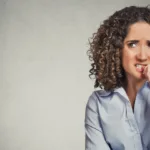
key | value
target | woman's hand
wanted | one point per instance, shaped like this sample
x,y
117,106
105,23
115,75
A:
x,y
146,72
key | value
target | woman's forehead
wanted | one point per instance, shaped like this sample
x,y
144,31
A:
x,y
139,30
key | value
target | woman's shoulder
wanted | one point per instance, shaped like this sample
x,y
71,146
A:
x,y
98,96
100,93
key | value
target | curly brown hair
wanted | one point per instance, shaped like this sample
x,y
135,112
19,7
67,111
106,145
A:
x,y
107,43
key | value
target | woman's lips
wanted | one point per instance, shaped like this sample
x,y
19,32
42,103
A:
x,y
140,68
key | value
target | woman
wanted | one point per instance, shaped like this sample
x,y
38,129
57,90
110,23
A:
x,y
118,116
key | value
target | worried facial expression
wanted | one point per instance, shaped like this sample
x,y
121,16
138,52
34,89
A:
x,y
136,50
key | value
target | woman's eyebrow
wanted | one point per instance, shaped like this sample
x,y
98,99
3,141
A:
x,y
134,41
148,41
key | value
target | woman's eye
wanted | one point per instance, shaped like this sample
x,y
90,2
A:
x,y
131,45
148,43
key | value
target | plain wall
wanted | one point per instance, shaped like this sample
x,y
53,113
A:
x,y
44,84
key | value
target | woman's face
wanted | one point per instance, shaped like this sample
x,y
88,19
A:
x,y
136,50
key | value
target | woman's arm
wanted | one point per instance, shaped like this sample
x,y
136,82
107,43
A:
x,y
94,139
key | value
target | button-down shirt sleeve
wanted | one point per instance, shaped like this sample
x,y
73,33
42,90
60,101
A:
x,y
94,138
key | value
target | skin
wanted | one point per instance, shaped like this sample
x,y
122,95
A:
x,y
136,50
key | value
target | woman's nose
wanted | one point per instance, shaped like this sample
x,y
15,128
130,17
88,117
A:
x,y
142,54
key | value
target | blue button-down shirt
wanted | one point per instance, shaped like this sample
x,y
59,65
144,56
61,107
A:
x,y
112,124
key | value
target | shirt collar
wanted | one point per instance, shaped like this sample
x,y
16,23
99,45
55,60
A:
x,y
143,90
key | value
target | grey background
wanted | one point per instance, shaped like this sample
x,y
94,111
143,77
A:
x,y
44,84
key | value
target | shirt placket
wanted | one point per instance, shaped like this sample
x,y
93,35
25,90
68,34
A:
x,y
134,127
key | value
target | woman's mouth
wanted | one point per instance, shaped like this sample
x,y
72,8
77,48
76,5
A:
x,y
140,67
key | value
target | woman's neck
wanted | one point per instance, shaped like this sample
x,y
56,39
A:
x,y
132,87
